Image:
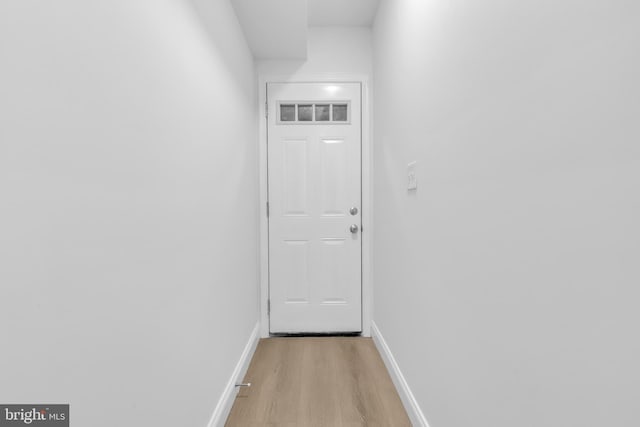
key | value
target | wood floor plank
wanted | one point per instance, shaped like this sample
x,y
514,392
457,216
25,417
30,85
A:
x,y
317,382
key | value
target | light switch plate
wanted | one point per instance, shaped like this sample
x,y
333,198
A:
x,y
412,183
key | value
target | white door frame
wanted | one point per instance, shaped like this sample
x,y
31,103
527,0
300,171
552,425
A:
x,y
367,180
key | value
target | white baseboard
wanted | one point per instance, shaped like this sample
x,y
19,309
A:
x,y
410,404
225,403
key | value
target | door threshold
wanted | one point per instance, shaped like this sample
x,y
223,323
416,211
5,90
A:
x,y
315,334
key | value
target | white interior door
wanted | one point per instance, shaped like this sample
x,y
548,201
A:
x,y
314,173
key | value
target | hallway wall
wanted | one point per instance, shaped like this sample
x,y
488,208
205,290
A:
x,y
507,285
330,51
128,207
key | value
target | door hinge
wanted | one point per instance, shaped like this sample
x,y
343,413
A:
x,y
267,209
269,306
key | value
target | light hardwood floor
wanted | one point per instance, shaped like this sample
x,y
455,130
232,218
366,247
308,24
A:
x,y
317,381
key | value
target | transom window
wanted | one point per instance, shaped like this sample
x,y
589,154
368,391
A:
x,y
335,112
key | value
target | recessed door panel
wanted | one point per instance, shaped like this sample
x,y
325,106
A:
x,y
295,176
333,175
333,282
296,271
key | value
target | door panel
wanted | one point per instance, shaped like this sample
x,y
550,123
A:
x,y
314,144
295,177
333,175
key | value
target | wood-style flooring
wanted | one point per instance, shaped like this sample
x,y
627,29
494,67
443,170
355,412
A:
x,y
317,381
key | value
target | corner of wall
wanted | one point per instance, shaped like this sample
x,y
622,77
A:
x,y
406,395
225,402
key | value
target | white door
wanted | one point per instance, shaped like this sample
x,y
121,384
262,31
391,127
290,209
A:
x,y
315,250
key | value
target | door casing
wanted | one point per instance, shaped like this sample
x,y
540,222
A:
x,y
367,179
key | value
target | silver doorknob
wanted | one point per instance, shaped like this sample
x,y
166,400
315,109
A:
x,y
353,228
353,211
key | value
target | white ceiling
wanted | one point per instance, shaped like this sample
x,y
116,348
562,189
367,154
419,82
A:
x,y
342,12
277,29
274,29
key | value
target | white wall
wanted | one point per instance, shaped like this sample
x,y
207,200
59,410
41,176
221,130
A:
x,y
330,51
128,194
507,286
